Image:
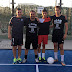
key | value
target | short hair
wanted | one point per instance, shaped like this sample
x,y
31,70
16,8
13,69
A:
x,y
44,10
58,7
18,9
32,11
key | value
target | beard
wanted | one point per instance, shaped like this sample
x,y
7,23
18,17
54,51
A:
x,y
58,13
32,17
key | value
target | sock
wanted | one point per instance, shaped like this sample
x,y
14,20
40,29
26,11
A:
x,y
25,56
36,56
43,55
62,57
55,55
39,54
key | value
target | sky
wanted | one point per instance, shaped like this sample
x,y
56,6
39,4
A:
x,y
66,3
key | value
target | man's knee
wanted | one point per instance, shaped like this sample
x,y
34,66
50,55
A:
x,y
61,46
39,45
55,45
43,46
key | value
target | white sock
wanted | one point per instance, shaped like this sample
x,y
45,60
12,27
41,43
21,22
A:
x,y
55,55
62,57
39,54
43,55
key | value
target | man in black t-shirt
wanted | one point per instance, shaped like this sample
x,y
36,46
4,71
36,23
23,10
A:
x,y
58,35
16,24
31,35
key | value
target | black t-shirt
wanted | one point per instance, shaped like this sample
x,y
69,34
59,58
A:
x,y
17,26
44,26
31,27
58,24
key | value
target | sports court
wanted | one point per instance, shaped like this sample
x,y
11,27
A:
x,y
6,59
6,54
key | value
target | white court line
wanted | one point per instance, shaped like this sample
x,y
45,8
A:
x,y
35,64
37,69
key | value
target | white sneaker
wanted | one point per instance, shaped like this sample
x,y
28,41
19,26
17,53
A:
x,y
24,60
36,60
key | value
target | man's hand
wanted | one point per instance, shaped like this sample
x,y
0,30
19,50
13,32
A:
x,y
64,37
9,36
51,26
37,19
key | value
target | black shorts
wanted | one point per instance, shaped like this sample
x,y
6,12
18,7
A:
x,y
58,39
17,41
33,40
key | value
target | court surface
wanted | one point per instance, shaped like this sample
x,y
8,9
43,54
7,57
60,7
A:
x,y
6,58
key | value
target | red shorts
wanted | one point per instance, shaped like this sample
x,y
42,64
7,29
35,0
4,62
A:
x,y
43,38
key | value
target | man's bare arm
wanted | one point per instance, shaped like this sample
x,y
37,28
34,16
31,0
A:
x,y
66,30
9,32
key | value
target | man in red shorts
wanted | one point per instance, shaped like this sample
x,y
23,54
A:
x,y
43,34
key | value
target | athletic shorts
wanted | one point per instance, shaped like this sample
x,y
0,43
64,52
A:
x,y
43,38
33,40
17,41
58,39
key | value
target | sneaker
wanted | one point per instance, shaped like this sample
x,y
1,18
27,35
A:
x,y
19,60
39,59
56,60
63,63
43,59
14,61
24,60
36,60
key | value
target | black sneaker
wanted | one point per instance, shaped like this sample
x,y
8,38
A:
x,y
43,59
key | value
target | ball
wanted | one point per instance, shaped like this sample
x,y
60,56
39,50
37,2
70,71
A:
x,y
50,60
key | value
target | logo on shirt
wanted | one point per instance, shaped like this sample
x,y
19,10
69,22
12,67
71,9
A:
x,y
32,26
57,22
